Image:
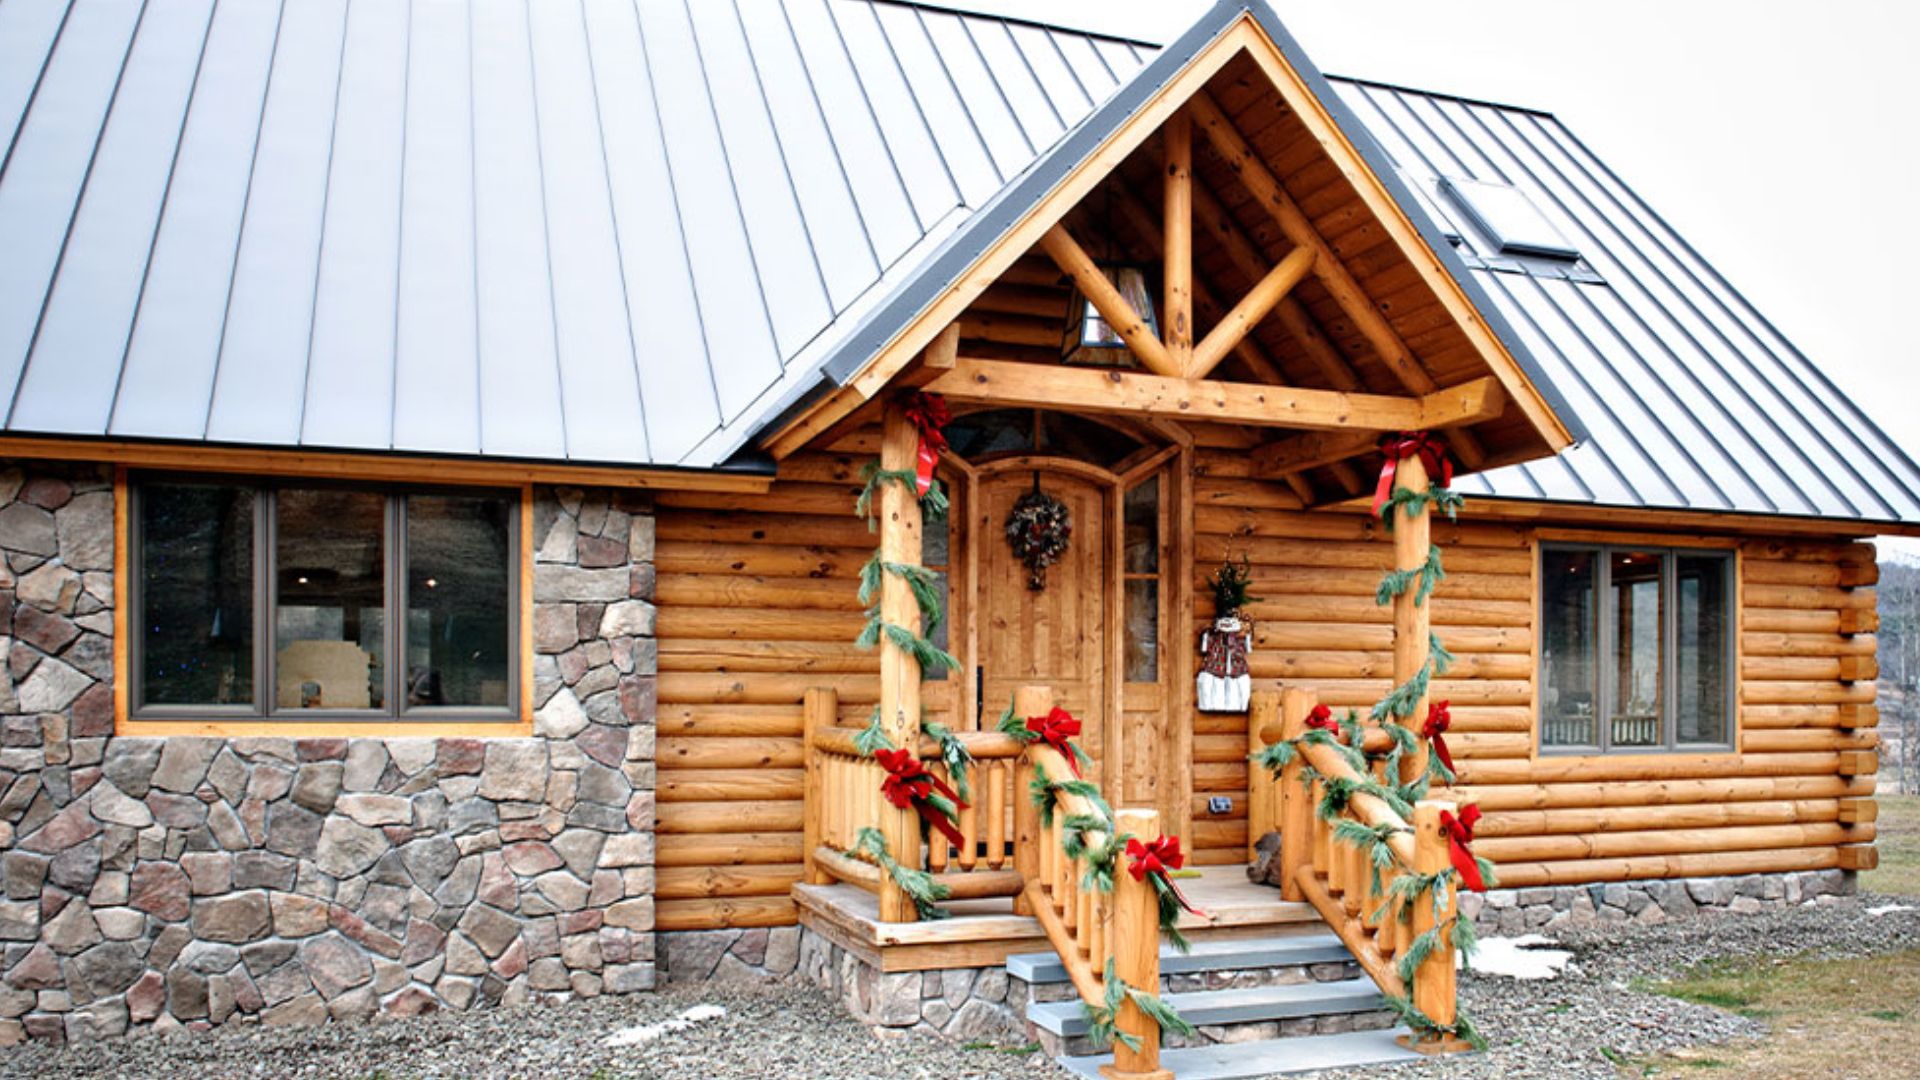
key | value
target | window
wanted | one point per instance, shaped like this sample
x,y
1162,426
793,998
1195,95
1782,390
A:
x,y
1636,648
1508,218
310,600
1141,581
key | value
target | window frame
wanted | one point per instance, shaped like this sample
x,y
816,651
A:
x,y
1606,640
264,712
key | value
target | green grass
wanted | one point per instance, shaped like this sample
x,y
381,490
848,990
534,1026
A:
x,y
1899,843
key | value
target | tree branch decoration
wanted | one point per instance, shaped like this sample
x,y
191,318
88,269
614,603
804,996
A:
x,y
1229,586
920,887
909,786
1038,529
1100,1018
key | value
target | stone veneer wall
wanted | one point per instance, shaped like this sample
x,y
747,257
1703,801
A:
x,y
193,880
1509,912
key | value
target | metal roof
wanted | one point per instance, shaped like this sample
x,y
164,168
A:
x,y
632,231
1691,399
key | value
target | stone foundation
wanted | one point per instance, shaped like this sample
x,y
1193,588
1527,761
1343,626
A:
x,y
162,882
1508,912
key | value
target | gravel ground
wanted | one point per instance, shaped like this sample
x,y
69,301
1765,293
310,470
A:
x,y
1554,1028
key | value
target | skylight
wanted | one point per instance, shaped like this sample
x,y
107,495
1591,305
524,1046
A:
x,y
1509,219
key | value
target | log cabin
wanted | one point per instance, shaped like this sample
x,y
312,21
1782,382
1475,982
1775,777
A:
x,y
433,576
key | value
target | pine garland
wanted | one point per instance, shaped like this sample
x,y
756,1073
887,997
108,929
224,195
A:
x,y
953,753
919,885
934,503
1101,1018
1427,576
873,737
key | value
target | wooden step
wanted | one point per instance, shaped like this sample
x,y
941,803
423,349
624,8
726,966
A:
x,y
1213,1008
1277,951
1268,1057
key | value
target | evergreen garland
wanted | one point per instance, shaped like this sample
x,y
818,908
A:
x,y
919,885
953,753
1101,1018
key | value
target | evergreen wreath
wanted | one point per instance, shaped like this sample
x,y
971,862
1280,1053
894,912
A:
x,y
1038,529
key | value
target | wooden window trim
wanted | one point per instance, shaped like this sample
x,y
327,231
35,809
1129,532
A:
x,y
214,721
1603,545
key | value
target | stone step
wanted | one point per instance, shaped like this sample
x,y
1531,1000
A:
x,y
1219,1008
1269,1057
1242,954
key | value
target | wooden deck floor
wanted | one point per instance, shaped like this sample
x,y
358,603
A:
x,y
983,933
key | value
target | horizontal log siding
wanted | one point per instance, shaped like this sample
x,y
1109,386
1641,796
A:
x,y
1780,803
757,602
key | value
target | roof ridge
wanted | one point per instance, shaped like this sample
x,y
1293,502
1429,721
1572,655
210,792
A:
x,y
957,7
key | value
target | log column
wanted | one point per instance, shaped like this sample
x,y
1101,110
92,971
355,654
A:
x,y
1434,981
1296,802
1028,836
899,672
1412,623
1136,958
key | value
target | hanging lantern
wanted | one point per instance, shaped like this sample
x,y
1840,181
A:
x,y
1089,339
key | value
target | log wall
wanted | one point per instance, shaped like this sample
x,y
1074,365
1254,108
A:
x,y
757,602
1798,787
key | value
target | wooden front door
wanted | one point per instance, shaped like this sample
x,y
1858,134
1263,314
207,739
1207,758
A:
x,y
1058,635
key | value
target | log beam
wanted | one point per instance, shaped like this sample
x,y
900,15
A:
x,y
1134,394
1468,403
1176,318
1252,307
1232,147
1074,261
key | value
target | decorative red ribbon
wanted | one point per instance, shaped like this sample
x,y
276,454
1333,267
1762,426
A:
x,y
1439,719
928,413
1322,717
1406,444
1057,729
1158,858
909,784
1459,833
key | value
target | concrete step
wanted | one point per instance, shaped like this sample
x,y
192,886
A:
x,y
1237,1061
1296,950
1218,1008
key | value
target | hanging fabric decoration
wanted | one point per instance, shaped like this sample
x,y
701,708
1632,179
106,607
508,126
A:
x,y
908,785
1057,730
1439,719
1459,834
1159,858
1322,717
1403,445
928,414
1038,528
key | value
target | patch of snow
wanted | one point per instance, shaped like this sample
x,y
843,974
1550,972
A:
x,y
1519,957
643,1033
1888,909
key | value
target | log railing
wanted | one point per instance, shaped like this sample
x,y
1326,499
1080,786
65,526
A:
x,y
843,796
1337,878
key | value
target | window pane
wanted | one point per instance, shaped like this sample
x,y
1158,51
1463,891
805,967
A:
x,y
458,638
1638,624
1143,630
1704,625
1570,649
330,635
1143,528
939,635
196,588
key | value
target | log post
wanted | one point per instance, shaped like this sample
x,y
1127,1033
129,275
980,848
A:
x,y
1136,958
1433,981
1027,834
1412,623
1296,803
899,672
820,708
1176,323
1263,793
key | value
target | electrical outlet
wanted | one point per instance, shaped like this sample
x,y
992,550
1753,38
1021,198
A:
x,y
1219,804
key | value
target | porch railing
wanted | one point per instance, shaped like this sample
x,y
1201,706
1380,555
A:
x,y
1338,879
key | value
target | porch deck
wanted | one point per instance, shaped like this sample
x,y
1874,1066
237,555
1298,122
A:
x,y
981,933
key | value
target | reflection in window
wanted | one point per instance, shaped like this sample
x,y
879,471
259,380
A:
x,y
457,587
1141,550
992,432
196,584
330,599
935,542
1638,614
1703,597
1570,633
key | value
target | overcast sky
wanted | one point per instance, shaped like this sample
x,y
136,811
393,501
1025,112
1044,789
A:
x,y
1782,139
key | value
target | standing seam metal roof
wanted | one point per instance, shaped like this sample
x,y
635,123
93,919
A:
x,y
632,231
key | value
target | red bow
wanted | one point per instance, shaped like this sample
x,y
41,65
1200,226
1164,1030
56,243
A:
x,y
1158,858
928,413
1322,718
1459,833
909,784
1435,730
1406,444
1056,729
